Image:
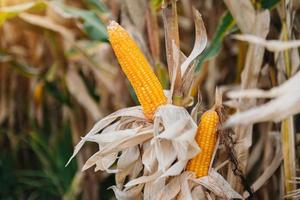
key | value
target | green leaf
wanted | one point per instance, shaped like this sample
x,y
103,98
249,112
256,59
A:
x,y
268,4
8,180
226,24
54,89
92,25
13,11
133,95
99,5
162,74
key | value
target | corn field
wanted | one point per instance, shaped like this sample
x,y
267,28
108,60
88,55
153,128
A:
x,y
149,99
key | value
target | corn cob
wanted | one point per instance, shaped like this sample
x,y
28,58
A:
x,y
206,138
137,69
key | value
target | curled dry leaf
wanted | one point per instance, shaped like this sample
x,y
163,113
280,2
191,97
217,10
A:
x,y
116,146
285,102
100,125
271,45
200,41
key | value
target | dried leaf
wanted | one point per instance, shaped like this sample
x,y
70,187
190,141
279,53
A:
x,y
154,189
185,193
127,157
218,185
286,102
133,111
180,130
143,179
200,42
136,12
131,194
165,154
271,45
243,12
169,14
80,92
149,158
171,190
46,22
198,193
106,162
249,77
175,169
118,146
268,172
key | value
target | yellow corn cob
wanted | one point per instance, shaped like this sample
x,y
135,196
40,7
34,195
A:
x,y
206,138
137,69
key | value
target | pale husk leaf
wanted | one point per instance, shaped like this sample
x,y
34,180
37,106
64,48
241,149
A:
x,y
218,185
134,193
271,45
101,124
286,102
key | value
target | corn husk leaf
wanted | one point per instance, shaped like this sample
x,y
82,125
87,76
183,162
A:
x,y
198,193
100,125
171,190
180,130
144,179
218,185
133,193
119,145
149,158
154,189
185,191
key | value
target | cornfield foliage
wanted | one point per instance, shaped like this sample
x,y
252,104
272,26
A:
x,y
59,76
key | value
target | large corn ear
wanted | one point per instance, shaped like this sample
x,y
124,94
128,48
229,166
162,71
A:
x,y
137,69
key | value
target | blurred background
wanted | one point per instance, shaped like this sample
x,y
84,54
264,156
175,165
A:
x,y
58,76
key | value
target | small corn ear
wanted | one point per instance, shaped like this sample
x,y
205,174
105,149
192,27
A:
x,y
206,138
137,69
